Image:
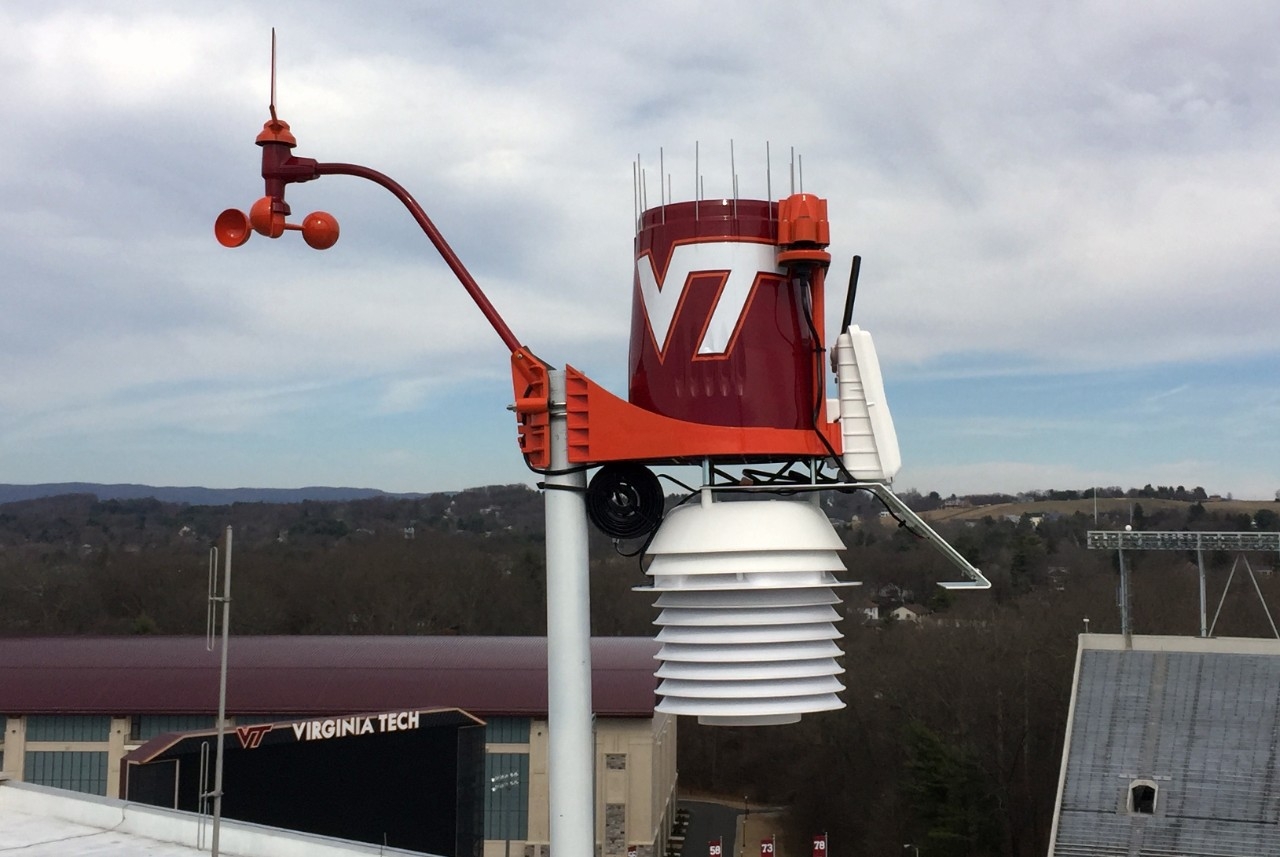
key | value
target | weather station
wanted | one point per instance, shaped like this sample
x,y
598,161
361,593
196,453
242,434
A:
x,y
729,375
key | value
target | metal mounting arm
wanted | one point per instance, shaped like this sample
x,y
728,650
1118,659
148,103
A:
x,y
280,168
442,246
976,579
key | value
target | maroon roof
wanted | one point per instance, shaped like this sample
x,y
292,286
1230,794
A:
x,y
487,676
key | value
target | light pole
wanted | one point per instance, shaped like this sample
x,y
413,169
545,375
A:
x,y
914,848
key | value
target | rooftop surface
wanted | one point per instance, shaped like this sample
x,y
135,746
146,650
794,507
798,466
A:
x,y
43,822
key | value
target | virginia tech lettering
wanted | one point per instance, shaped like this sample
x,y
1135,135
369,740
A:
x,y
315,730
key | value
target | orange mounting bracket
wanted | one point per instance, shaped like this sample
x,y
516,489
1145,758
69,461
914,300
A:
x,y
532,408
603,427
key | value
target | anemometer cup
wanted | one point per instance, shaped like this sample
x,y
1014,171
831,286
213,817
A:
x,y
265,220
232,228
320,230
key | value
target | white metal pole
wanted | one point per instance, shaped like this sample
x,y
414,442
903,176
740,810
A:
x,y
569,730
222,701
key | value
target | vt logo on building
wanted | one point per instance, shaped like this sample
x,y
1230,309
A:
x,y
251,736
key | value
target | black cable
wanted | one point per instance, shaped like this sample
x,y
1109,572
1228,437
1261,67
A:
x,y
789,476
781,472
640,551
577,468
806,304
727,477
643,550
625,500
901,523
547,486
670,478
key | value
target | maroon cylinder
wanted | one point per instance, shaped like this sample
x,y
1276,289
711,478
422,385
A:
x,y
719,333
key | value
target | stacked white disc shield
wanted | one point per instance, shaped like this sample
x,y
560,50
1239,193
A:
x,y
747,595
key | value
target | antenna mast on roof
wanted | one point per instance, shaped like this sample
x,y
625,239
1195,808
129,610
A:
x,y
210,625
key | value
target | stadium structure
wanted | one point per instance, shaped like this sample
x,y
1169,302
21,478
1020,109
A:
x,y
1172,749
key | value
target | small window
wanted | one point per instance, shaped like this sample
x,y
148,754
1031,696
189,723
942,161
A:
x,y
1142,797
507,730
69,727
506,800
81,771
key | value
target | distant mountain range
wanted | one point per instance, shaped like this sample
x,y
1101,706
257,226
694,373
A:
x,y
193,495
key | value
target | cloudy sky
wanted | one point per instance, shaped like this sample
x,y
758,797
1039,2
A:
x,y
1068,215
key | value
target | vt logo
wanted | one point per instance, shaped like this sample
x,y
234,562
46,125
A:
x,y
251,736
739,263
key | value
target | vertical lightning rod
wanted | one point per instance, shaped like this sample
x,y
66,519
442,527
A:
x,y
271,104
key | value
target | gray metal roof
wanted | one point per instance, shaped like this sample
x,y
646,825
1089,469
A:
x,y
1198,718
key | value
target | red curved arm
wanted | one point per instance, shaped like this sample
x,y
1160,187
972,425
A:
x,y
442,247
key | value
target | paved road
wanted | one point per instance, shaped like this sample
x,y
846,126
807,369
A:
x,y
708,821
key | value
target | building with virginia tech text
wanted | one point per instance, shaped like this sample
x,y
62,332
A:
x,y
71,708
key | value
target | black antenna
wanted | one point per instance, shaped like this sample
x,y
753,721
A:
x,y
272,105
853,293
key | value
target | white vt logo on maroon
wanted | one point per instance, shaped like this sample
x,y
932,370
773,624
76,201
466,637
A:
x,y
742,263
